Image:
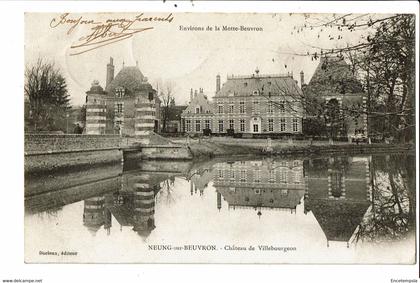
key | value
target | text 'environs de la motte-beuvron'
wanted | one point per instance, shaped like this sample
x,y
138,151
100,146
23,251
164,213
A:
x,y
219,28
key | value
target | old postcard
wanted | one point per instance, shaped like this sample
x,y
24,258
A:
x,y
164,137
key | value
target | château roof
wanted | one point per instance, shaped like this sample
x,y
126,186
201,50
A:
x,y
96,88
337,218
199,100
267,85
334,76
130,78
270,198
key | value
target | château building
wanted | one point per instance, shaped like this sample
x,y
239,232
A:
x,y
263,184
128,105
338,193
258,104
334,84
252,104
199,113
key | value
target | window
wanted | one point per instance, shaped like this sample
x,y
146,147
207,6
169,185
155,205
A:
x,y
197,125
207,124
282,124
231,108
220,109
242,107
220,173
255,128
296,178
295,124
336,179
231,124
232,175
188,124
256,92
119,107
257,176
242,125
243,176
270,108
282,106
245,84
119,92
270,125
220,126
269,83
272,177
255,108
197,110
283,176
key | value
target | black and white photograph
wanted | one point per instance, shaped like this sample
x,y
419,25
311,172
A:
x,y
219,138
194,140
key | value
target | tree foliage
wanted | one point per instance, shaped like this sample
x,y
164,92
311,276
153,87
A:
x,y
392,214
382,59
46,90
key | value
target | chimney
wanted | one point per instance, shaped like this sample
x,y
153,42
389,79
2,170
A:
x,y
137,64
302,79
217,83
191,95
195,93
201,90
109,71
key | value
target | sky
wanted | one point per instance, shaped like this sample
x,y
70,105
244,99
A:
x,y
185,59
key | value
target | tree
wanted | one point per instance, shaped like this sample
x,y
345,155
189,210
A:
x,y
46,90
82,118
383,60
167,97
392,215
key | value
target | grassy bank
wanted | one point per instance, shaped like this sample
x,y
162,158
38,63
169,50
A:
x,y
208,148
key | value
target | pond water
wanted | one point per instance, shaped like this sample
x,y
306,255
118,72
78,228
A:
x,y
330,209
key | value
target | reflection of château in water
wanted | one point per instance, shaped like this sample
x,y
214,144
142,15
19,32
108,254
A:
x,y
133,205
338,194
265,184
95,214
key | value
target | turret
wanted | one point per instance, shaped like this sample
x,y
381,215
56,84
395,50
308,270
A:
x,y
302,78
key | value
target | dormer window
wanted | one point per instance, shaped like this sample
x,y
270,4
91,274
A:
x,y
119,92
255,92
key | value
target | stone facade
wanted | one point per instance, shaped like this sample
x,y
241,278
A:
x,y
334,82
338,193
266,184
128,106
199,113
45,143
254,104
